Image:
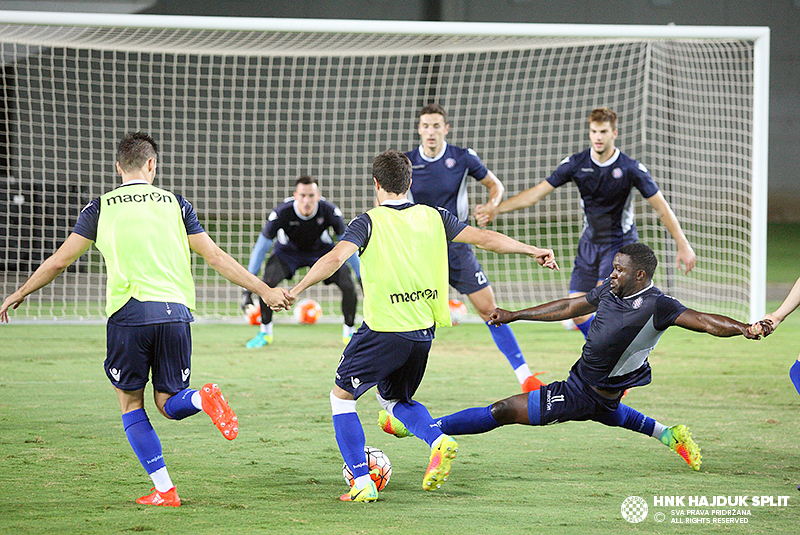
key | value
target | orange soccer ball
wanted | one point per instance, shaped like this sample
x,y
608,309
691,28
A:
x,y
458,311
307,312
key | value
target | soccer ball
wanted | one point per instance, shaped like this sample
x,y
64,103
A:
x,y
253,314
380,469
307,312
458,311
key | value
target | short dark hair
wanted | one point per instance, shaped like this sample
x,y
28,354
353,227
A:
x,y
603,115
432,108
134,150
306,179
642,257
392,170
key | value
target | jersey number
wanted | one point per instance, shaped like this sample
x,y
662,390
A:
x,y
481,277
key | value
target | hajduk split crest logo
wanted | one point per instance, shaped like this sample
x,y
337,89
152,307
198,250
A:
x,y
634,509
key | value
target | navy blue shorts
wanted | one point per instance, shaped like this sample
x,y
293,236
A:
x,y
394,363
133,352
466,273
593,263
565,401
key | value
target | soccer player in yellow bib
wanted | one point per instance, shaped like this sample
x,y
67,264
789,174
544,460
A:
x,y
404,271
145,234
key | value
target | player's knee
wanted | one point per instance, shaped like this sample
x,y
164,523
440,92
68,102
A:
x,y
506,411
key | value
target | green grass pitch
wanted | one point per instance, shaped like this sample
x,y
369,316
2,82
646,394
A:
x,y
66,467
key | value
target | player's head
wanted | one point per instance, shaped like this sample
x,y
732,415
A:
x,y
135,152
306,195
602,131
392,171
634,267
432,128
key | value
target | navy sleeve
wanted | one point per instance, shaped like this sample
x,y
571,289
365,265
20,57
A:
x,y
452,225
86,225
563,173
476,168
337,220
596,294
358,231
642,180
190,220
667,311
270,230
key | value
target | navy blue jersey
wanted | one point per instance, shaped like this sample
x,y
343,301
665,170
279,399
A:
x,y
307,234
606,192
441,181
623,333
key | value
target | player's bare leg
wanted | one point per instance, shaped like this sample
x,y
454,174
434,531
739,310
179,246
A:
x,y
484,303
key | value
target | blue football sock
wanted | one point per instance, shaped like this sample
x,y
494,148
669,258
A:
x,y
584,327
506,342
628,418
180,405
468,422
143,440
794,374
351,440
418,420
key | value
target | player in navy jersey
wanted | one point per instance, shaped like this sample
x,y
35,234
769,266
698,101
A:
x,y
298,228
440,180
605,178
403,247
145,234
632,314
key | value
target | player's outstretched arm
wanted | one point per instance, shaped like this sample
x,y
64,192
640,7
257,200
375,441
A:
x,y
496,191
685,253
719,325
485,213
326,266
788,306
225,265
502,244
72,249
558,310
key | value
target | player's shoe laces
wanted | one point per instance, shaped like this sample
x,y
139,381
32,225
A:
x,y
392,425
260,340
220,412
679,439
363,494
532,383
166,499
442,457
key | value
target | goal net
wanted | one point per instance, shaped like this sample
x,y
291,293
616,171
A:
x,y
242,107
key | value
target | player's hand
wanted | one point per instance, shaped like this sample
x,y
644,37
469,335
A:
x,y
12,301
758,329
545,258
277,299
501,316
485,214
687,257
247,298
773,320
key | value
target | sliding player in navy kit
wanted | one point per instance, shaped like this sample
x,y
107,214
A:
x,y
439,178
632,314
299,229
605,177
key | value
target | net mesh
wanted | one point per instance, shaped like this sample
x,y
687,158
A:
x,y
239,115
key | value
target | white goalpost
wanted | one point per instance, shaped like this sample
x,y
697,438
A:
x,y
241,107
